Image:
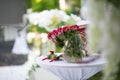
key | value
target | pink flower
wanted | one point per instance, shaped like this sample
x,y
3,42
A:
x,y
49,35
74,27
60,30
81,29
66,28
55,32
54,35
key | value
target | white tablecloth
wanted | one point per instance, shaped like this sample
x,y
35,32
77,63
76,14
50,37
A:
x,y
72,71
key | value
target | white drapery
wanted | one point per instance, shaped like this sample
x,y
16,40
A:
x,y
75,73
72,71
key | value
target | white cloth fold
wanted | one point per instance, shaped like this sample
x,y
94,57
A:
x,y
72,71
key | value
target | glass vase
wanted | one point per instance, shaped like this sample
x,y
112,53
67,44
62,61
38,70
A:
x,y
71,59
73,48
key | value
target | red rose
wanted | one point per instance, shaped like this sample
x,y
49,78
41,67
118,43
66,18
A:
x,y
55,32
81,29
60,30
66,28
74,27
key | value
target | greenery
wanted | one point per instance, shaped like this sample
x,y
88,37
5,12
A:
x,y
116,3
73,45
33,68
32,28
74,7
97,76
40,5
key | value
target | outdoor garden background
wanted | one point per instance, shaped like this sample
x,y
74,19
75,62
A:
x,y
103,34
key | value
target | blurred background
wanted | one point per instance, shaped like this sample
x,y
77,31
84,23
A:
x,y
16,52
24,25
12,21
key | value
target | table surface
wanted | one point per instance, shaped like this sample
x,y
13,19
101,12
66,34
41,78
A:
x,y
63,63
72,71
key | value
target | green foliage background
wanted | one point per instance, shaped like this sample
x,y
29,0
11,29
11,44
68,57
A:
x,y
40,5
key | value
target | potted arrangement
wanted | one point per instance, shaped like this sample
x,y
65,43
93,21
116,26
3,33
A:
x,y
71,40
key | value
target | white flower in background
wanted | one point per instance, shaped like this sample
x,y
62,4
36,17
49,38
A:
x,y
51,19
59,14
30,36
33,18
44,37
75,17
56,17
44,19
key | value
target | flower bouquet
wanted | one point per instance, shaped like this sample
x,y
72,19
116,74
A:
x,y
71,39
47,21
